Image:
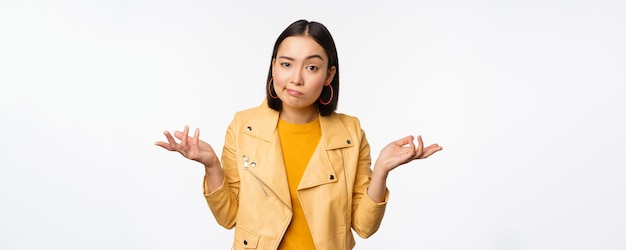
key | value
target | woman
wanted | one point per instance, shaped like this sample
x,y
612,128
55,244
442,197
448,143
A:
x,y
294,174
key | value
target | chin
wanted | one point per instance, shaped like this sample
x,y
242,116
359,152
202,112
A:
x,y
299,105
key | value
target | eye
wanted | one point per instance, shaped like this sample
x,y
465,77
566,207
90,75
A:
x,y
312,68
285,64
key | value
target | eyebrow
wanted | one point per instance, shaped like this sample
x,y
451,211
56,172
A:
x,y
308,57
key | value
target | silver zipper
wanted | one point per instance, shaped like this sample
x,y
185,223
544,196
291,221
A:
x,y
253,164
260,185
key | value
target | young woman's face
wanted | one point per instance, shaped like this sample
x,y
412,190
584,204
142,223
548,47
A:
x,y
300,71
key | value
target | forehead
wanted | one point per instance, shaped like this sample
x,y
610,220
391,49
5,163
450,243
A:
x,y
300,47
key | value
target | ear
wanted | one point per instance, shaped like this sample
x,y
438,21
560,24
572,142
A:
x,y
330,75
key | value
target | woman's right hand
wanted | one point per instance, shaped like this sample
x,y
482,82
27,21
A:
x,y
190,147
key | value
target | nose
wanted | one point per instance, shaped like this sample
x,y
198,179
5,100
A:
x,y
296,78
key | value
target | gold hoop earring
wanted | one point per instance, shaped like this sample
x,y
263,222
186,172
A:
x,y
331,96
269,89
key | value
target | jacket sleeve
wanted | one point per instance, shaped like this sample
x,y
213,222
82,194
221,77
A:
x,y
366,213
224,201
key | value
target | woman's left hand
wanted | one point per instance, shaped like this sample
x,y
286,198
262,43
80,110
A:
x,y
403,151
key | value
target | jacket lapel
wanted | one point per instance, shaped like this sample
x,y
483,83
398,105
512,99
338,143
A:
x,y
322,165
264,149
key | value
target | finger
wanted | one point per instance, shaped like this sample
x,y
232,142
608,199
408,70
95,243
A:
x,y
403,141
412,145
170,139
411,152
196,137
178,134
183,140
164,145
428,151
420,147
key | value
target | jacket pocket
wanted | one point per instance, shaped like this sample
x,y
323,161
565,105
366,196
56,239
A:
x,y
246,238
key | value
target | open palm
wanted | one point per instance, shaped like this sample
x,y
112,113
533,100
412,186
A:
x,y
190,147
403,151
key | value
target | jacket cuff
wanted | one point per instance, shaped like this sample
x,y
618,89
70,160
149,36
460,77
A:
x,y
370,215
214,193
369,202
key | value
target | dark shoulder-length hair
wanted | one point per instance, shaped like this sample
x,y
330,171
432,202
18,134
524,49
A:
x,y
322,36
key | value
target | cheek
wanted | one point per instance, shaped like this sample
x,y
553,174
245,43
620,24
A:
x,y
280,79
318,79
277,75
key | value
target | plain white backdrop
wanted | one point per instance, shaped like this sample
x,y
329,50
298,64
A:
x,y
526,97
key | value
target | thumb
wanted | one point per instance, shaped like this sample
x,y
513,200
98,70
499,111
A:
x,y
404,141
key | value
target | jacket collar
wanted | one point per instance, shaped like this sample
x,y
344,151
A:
x,y
334,133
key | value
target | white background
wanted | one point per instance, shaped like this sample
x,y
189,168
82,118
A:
x,y
526,97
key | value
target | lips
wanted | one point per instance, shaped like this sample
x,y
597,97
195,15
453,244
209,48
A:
x,y
293,92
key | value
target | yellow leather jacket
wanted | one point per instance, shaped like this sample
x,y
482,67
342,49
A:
x,y
254,197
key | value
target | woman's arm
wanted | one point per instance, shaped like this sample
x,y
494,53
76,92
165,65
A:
x,y
195,149
393,155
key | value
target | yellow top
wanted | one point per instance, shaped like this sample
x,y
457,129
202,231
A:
x,y
298,142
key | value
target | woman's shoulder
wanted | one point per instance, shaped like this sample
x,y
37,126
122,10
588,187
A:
x,y
345,117
259,113
347,120
247,112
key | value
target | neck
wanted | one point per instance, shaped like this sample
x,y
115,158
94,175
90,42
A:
x,y
299,116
